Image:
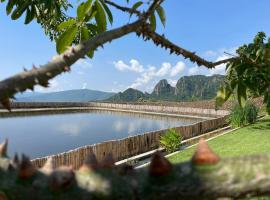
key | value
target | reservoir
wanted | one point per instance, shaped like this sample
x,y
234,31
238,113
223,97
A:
x,y
42,134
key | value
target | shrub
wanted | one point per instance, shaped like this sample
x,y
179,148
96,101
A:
x,y
171,140
241,116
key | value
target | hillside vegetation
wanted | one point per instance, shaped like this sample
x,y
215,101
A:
x,y
188,88
81,95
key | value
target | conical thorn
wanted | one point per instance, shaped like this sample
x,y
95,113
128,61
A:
x,y
3,148
49,166
159,165
61,178
204,155
26,169
108,162
6,104
90,163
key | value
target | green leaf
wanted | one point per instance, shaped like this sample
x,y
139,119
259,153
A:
x,y
66,39
153,21
84,33
135,6
223,95
100,17
30,15
10,6
241,94
19,11
90,54
66,24
108,11
80,12
161,14
83,10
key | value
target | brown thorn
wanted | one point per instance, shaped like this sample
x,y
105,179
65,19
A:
x,y
65,56
125,169
159,165
66,68
73,50
6,103
3,148
108,162
204,155
90,163
61,178
26,169
49,166
15,160
3,196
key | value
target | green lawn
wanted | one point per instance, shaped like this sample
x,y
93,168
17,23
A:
x,y
253,139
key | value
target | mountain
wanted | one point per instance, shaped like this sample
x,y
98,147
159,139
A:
x,y
81,95
129,95
163,90
188,88
198,87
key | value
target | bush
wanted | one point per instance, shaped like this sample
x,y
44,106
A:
x,y
171,141
241,116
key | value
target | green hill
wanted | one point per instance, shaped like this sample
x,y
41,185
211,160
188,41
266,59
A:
x,y
81,95
129,95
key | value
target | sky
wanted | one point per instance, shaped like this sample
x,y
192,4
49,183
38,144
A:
x,y
207,27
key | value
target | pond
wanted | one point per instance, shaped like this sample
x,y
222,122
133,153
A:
x,y
43,134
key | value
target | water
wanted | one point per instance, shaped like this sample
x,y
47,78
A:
x,y
46,133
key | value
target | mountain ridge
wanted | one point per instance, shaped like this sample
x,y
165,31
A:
x,y
188,88
77,95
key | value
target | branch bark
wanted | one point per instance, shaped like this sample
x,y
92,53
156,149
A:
x,y
158,39
205,177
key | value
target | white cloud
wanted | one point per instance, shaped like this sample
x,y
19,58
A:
x,y
84,85
179,67
134,66
172,82
153,73
165,67
194,70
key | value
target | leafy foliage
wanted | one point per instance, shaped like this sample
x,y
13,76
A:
x,y
188,88
92,17
243,115
249,74
171,140
48,13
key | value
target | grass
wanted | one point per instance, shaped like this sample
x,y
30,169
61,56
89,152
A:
x,y
252,139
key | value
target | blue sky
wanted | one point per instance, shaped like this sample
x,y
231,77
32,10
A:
x,y
208,27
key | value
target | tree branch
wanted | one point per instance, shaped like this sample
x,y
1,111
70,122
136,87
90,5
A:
x,y
147,34
165,43
40,76
124,9
204,177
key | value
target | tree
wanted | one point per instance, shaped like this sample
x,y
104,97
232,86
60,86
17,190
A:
x,y
87,31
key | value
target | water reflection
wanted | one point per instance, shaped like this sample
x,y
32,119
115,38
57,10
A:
x,y
43,133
